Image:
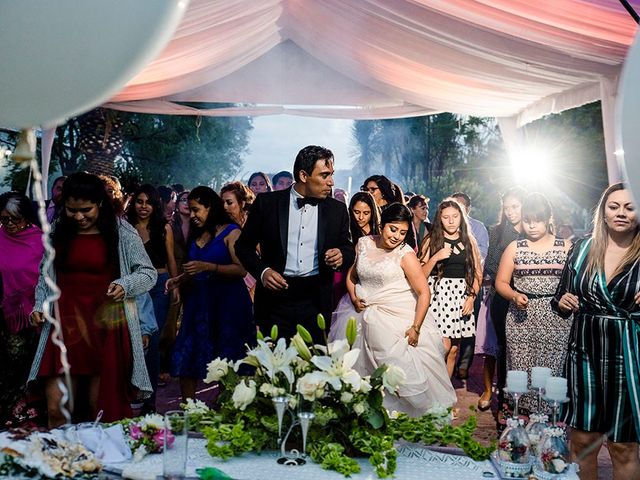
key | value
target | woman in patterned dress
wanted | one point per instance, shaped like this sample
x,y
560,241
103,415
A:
x,y
536,336
451,261
600,286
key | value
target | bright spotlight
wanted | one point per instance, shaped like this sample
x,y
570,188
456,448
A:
x,y
531,165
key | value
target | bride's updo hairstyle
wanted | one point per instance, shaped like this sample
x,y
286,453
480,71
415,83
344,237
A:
x,y
395,213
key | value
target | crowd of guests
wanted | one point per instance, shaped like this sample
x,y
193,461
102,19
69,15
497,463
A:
x,y
158,283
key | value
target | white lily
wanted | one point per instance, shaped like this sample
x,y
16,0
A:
x,y
338,367
277,360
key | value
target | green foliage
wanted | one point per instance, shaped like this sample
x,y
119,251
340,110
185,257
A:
x,y
165,149
330,456
425,430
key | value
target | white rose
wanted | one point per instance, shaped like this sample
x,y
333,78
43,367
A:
x,y
393,377
152,420
311,386
559,464
346,397
365,386
244,394
270,390
216,369
359,408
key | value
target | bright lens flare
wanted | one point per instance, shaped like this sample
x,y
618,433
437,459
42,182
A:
x,y
530,165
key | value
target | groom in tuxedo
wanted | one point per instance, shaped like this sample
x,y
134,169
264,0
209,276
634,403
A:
x,y
303,237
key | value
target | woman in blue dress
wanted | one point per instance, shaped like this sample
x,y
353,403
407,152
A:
x,y
217,319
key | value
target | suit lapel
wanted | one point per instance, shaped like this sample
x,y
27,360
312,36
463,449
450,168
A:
x,y
283,220
322,214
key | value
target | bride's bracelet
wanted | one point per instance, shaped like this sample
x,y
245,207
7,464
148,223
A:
x,y
416,329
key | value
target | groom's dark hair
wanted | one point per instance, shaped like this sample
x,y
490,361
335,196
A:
x,y
307,158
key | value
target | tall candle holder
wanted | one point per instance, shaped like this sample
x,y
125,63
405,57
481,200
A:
x,y
303,418
539,376
516,387
555,395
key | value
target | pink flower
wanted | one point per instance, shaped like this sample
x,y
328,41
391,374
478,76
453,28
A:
x,y
32,413
135,432
158,439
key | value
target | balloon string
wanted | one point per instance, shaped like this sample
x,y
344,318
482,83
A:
x,y
56,334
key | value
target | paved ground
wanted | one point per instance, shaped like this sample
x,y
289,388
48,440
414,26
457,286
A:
x,y
467,391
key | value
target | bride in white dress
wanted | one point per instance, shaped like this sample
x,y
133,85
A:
x,y
390,298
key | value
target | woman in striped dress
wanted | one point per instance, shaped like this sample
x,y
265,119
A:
x,y
600,285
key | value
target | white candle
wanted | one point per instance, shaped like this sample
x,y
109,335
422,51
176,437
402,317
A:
x,y
517,381
556,388
539,376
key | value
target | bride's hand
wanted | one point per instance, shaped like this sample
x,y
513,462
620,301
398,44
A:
x,y
413,336
359,304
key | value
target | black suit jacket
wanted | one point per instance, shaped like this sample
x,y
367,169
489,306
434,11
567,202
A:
x,y
268,225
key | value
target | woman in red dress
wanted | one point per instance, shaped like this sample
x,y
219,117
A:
x,y
100,266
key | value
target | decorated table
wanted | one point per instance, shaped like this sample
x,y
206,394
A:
x,y
414,462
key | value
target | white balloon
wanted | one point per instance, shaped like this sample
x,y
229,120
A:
x,y
60,58
628,119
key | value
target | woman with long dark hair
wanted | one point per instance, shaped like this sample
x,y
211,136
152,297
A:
x,y
393,301
490,331
451,262
600,286
383,190
528,275
364,219
149,219
217,319
100,267
22,248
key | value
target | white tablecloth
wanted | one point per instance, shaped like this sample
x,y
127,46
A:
x,y
414,462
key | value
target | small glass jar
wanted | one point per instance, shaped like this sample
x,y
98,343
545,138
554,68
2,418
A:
x,y
553,452
513,454
535,429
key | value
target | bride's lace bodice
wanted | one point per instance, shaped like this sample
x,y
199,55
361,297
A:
x,y
377,267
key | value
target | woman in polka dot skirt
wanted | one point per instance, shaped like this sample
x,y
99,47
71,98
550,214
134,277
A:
x,y
451,261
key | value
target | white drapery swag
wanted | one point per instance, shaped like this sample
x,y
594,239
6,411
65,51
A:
x,y
363,59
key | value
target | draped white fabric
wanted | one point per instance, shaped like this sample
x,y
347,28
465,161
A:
x,y
404,57
365,59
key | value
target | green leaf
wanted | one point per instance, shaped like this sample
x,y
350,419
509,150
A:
x,y
375,419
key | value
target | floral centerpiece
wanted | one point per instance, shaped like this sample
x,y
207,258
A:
x,y
44,455
146,435
349,417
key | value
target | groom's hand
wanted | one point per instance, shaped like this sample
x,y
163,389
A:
x,y
273,280
333,258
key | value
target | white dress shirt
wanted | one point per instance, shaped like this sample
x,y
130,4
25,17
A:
x,y
302,241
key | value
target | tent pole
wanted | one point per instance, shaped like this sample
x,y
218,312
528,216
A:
x,y
631,11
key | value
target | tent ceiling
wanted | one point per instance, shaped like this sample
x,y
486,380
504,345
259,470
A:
x,y
386,58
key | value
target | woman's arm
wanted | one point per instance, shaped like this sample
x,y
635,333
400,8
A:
x,y
141,275
564,303
504,276
172,266
411,267
352,278
429,262
467,308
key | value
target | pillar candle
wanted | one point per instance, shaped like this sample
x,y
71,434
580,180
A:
x,y
517,381
556,388
539,376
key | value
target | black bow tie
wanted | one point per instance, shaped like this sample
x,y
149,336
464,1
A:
x,y
307,201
